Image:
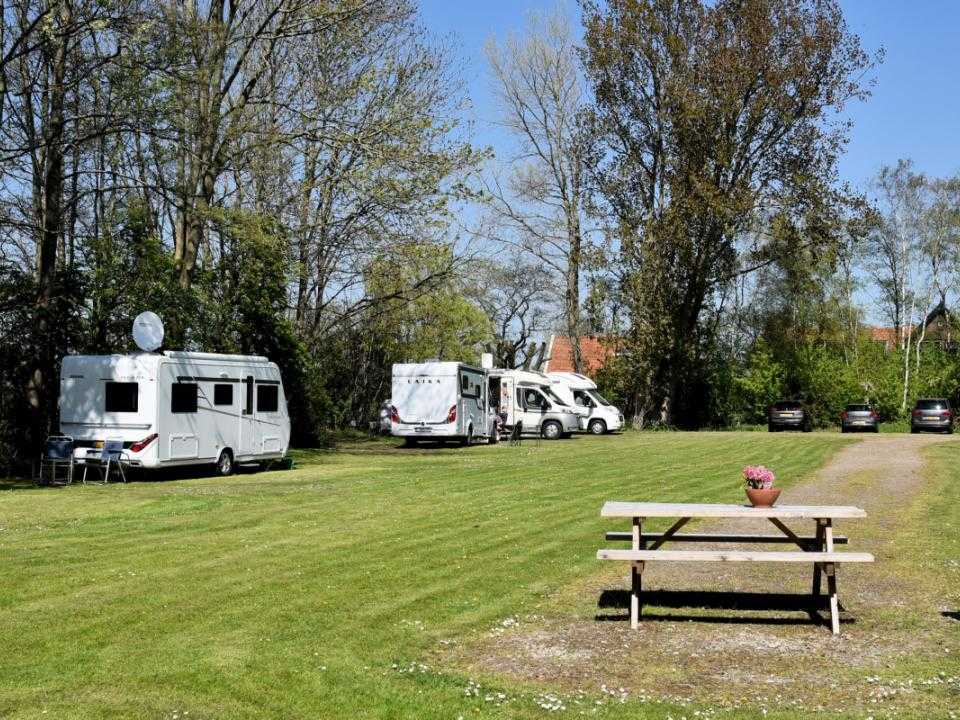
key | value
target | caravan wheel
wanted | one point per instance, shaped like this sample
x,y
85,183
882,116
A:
x,y
225,464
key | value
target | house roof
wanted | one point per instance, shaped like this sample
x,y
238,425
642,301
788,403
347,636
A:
x,y
594,350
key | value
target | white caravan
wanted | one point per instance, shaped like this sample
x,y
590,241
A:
x,y
176,408
597,415
527,397
441,401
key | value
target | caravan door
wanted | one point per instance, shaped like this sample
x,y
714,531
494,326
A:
x,y
248,421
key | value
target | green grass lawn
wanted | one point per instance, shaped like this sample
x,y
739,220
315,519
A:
x,y
317,592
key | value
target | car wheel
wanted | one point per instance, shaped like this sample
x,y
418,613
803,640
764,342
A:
x,y
913,431
409,442
597,427
876,428
771,428
551,430
844,430
950,430
225,463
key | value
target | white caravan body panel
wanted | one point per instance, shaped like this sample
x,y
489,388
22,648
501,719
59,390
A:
x,y
191,406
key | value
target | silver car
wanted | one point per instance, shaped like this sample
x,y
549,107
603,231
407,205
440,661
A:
x,y
859,417
932,414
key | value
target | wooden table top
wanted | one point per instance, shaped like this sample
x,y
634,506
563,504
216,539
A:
x,y
714,510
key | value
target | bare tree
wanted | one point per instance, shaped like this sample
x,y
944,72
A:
x,y
542,203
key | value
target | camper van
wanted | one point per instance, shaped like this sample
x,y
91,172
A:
x,y
527,397
597,415
441,401
176,408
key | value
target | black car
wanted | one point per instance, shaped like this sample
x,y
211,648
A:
x,y
788,415
933,414
859,416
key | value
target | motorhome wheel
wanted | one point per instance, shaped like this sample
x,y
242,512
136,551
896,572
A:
x,y
551,430
598,427
225,463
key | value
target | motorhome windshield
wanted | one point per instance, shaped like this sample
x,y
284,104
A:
x,y
599,398
553,396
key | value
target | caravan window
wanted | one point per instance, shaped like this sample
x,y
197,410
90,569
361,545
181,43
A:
x,y
268,398
223,394
183,398
121,397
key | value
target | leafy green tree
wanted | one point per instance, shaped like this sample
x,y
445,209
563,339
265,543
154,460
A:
x,y
711,117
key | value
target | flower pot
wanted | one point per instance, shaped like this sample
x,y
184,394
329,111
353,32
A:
x,y
765,497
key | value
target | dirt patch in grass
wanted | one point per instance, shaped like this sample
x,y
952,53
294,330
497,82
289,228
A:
x,y
742,634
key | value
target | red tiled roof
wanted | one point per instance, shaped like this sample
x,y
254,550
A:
x,y
594,351
885,335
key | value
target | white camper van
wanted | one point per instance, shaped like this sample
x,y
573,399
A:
x,y
176,408
527,397
441,401
597,415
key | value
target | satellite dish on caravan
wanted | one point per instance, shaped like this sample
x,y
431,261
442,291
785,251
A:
x,y
148,331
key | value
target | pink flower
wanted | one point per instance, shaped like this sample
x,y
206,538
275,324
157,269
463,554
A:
x,y
758,477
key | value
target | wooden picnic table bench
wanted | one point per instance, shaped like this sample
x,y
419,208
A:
x,y
817,549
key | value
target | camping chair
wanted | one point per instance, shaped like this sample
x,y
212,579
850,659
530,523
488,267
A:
x,y
57,458
516,433
112,455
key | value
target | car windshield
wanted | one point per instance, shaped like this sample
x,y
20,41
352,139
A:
x,y
787,405
932,405
858,408
598,397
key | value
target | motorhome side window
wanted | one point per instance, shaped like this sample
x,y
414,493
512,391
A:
x,y
268,398
121,397
223,394
534,399
183,398
581,398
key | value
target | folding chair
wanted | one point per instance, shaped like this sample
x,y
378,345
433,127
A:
x,y
57,456
110,456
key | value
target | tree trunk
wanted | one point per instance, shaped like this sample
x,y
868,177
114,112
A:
x,y
572,299
38,392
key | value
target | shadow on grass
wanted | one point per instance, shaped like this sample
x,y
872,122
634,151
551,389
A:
x,y
134,475
951,614
718,600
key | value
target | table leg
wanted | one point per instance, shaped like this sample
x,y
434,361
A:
x,y
831,571
636,573
816,566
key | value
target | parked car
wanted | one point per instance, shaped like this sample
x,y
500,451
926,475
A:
x,y
933,414
788,415
859,416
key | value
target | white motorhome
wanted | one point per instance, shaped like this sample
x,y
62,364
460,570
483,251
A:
x,y
176,408
597,414
527,397
441,401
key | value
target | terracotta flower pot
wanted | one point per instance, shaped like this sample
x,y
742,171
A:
x,y
763,497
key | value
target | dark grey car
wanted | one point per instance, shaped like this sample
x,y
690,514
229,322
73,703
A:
x,y
857,417
932,414
788,415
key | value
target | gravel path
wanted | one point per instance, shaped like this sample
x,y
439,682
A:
x,y
742,633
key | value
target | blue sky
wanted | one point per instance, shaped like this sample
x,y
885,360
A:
x,y
915,108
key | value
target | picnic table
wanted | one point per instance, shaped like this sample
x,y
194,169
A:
x,y
818,549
